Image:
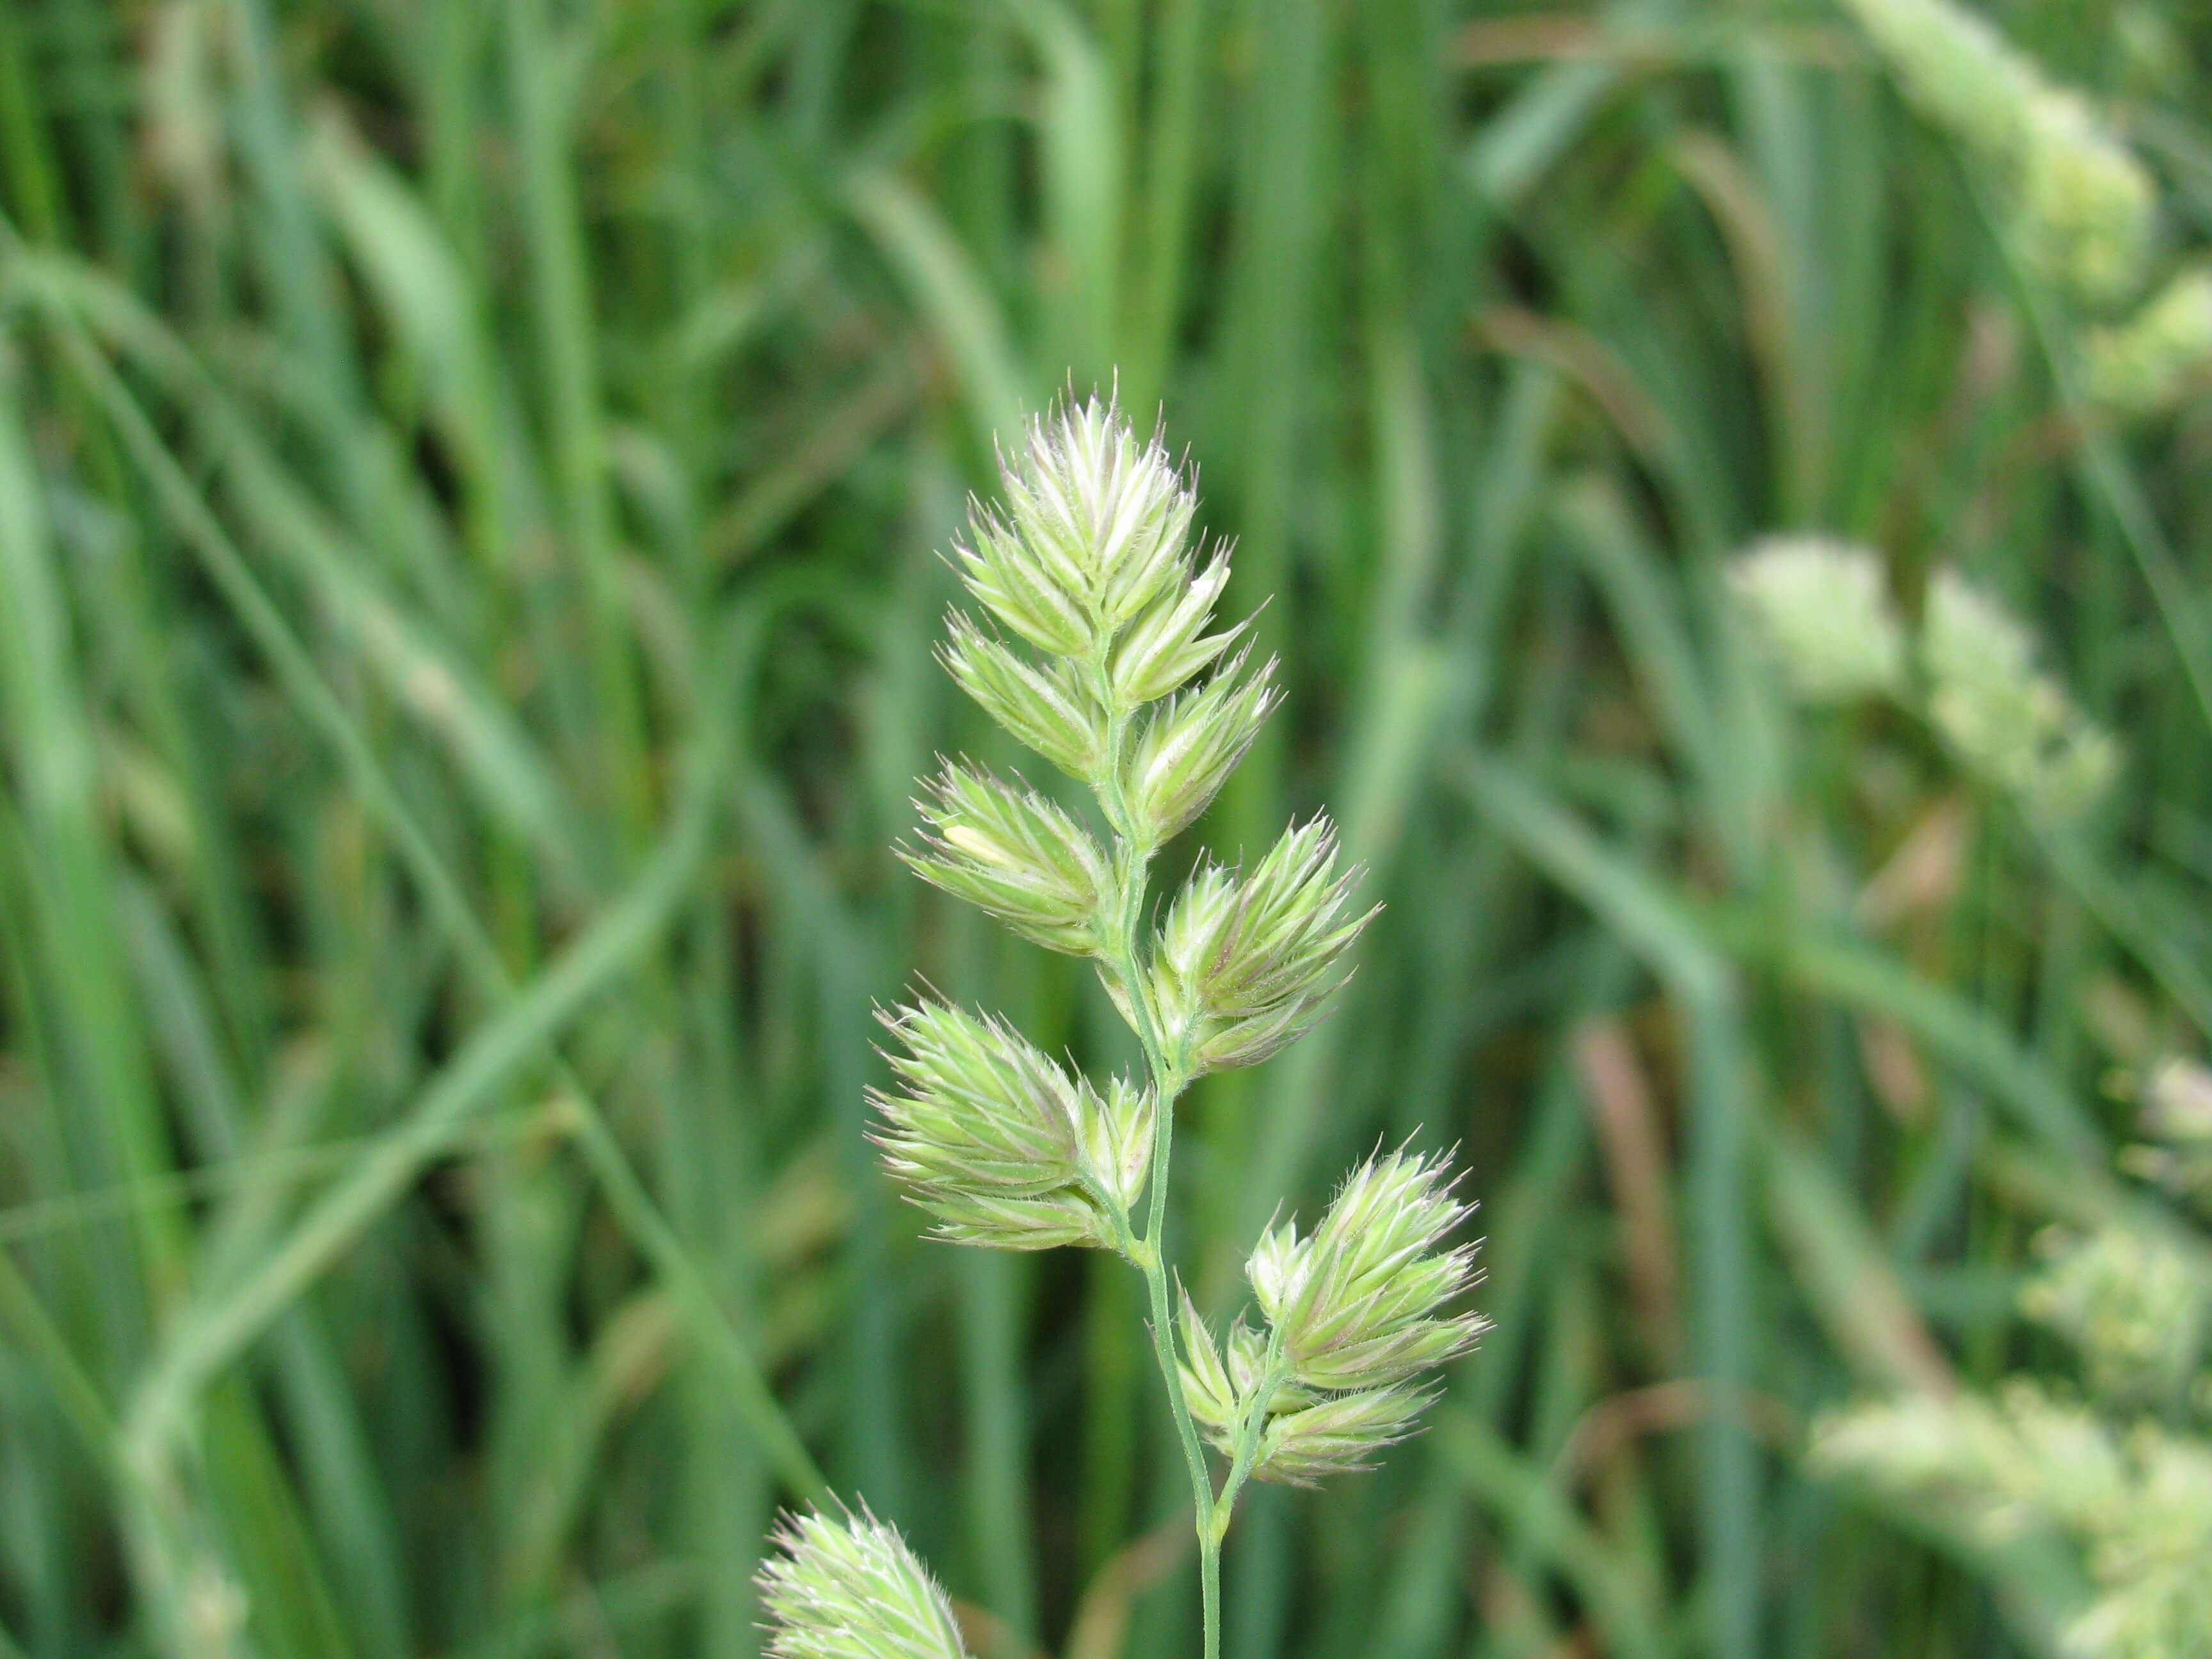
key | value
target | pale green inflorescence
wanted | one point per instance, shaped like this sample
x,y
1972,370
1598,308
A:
x,y
2159,355
848,1587
1822,608
2083,207
2086,208
1955,65
2005,720
1100,652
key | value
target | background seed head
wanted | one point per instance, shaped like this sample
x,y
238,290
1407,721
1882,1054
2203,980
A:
x,y
2086,207
2004,720
1013,855
848,1587
1956,67
2136,1307
998,1142
2160,354
1821,608
1363,1299
2083,207
2136,1504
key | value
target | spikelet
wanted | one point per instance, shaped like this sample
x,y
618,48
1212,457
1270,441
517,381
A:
x,y
1190,745
1360,1303
1822,610
1342,1434
1244,966
997,1142
1048,706
1357,1314
848,1587
1013,855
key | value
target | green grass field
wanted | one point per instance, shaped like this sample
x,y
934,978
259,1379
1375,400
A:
x,y
471,475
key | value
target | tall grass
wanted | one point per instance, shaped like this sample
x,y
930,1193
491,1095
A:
x,y
468,478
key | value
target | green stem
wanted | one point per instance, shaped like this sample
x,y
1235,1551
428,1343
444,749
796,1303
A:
x,y
1133,856
1250,1429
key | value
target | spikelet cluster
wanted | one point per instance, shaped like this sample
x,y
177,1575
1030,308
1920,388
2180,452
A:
x,y
1013,855
997,1140
2160,355
2083,206
848,1587
1247,961
1091,562
1822,607
1356,1315
2004,719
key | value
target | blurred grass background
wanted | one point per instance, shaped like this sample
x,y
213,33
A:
x,y
468,477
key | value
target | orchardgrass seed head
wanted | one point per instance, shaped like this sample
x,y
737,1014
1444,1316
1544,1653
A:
x,y
1097,647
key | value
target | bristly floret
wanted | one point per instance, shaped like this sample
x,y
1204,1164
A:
x,y
1013,855
1339,1434
1360,1302
1190,745
848,1587
1046,705
995,1139
1244,964
1168,644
